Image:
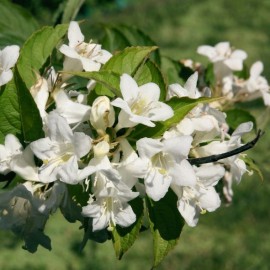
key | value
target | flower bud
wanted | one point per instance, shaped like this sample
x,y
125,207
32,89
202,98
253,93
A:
x,y
102,114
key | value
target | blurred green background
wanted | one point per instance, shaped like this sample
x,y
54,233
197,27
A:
x,y
235,237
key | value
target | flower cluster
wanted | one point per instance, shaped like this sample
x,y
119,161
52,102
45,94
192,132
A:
x,y
90,144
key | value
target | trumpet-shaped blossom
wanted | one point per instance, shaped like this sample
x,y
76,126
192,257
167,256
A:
x,y
193,200
236,165
72,111
225,59
140,104
81,55
166,164
8,58
257,83
14,158
110,206
189,90
60,151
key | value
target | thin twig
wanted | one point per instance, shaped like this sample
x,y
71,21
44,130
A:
x,y
214,158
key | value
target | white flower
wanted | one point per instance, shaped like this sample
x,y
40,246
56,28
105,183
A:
x,y
102,114
61,151
110,206
8,58
140,104
81,55
225,59
257,83
72,111
236,165
167,164
40,94
189,90
14,158
202,197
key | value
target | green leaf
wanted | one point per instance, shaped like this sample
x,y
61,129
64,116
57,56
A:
x,y
127,61
10,122
175,71
135,37
151,73
166,225
37,49
210,78
16,24
110,80
252,165
235,117
114,40
71,10
124,238
30,118
180,106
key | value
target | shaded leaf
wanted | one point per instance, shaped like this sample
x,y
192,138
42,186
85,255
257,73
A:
x,y
16,24
127,61
9,112
175,71
114,40
71,10
37,49
235,117
166,225
124,238
31,122
151,73
110,80
131,36
252,165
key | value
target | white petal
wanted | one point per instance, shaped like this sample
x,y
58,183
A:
x,y
148,147
82,144
73,112
256,69
266,98
58,127
150,91
129,88
75,35
191,84
208,51
188,212
156,185
210,200
161,112
24,165
179,147
9,56
125,217
69,172
48,173
90,65
68,51
210,174
240,54
242,129
13,144
43,148
183,174
222,48
176,90
5,77
234,64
